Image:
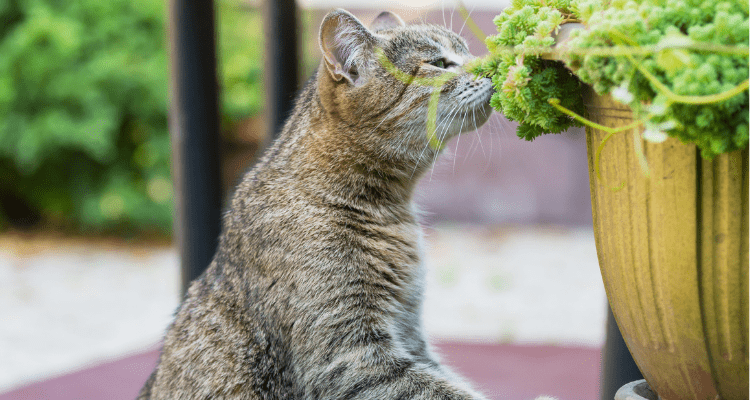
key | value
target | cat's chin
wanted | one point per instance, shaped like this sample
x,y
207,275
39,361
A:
x,y
481,115
464,121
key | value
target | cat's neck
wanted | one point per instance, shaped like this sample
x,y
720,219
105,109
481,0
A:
x,y
343,160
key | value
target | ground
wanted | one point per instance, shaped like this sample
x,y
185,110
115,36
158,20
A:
x,y
66,303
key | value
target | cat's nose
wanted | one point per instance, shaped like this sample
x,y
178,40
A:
x,y
480,81
479,78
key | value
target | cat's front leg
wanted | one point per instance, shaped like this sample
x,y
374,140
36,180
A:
x,y
382,371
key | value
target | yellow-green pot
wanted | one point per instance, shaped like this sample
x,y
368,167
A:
x,y
673,252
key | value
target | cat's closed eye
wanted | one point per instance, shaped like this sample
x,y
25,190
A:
x,y
442,63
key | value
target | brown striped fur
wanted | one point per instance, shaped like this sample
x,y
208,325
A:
x,y
315,289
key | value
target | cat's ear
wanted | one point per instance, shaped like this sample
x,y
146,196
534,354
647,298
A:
x,y
386,20
345,44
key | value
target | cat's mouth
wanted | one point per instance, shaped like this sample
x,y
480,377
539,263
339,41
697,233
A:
x,y
470,110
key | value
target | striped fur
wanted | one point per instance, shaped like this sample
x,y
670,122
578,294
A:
x,y
316,287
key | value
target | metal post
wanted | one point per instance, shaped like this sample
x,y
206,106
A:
x,y
194,128
281,68
618,366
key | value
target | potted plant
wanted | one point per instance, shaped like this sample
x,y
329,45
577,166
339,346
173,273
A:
x,y
662,89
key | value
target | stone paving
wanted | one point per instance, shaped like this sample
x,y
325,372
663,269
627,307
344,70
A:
x,y
68,303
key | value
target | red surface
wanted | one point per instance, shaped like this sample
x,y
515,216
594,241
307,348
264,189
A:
x,y
524,372
499,371
115,380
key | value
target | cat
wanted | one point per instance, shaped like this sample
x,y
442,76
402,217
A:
x,y
315,290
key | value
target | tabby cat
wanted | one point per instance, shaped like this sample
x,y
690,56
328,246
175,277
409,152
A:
x,y
316,287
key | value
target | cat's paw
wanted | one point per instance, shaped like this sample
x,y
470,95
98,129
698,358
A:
x,y
545,398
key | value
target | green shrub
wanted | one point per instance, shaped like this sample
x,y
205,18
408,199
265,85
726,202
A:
x,y
523,83
680,65
674,26
240,60
83,107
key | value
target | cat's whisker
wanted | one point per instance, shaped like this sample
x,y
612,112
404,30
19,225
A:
x,y
474,121
492,143
472,149
497,135
502,125
419,160
447,128
469,152
457,143
487,159
432,167
441,135
466,19
490,122
463,118
416,164
443,12
455,154
493,128
447,121
454,9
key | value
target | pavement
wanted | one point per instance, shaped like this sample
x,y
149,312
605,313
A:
x,y
507,299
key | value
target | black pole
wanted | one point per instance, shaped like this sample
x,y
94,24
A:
x,y
281,67
194,129
618,366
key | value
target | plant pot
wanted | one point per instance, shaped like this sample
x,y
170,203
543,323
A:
x,y
673,253
636,390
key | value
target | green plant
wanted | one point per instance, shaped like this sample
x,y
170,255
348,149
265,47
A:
x,y
523,80
240,48
681,66
82,111
83,107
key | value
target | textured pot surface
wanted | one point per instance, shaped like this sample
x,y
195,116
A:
x,y
637,390
673,251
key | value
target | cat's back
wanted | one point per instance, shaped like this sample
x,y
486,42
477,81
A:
x,y
224,342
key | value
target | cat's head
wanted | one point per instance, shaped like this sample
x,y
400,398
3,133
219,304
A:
x,y
379,82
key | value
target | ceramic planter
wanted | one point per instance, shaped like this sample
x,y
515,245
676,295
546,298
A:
x,y
673,252
638,390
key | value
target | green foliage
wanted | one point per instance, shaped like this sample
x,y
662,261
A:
x,y
83,108
673,27
674,62
523,81
240,41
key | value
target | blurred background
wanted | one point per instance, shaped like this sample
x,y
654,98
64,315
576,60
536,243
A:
x,y
89,275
